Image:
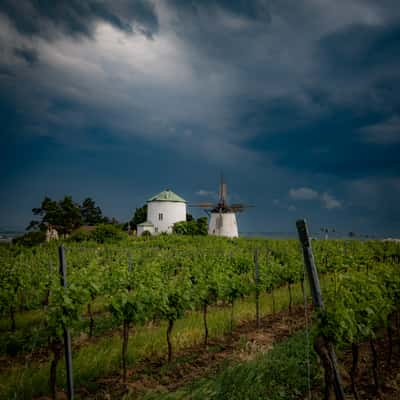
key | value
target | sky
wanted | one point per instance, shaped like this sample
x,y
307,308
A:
x,y
297,103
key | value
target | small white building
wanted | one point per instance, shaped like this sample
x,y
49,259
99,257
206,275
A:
x,y
163,211
145,227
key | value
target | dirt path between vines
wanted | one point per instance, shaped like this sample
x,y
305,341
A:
x,y
195,362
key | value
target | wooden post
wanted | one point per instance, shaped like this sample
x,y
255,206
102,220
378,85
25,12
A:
x,y
67,336
257,281
318,301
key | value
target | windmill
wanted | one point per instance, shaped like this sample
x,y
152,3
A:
x,y
222,216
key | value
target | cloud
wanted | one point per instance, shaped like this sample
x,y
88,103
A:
x,y
205,193
214,79
30,56
79,17
385,132
303,193
329,201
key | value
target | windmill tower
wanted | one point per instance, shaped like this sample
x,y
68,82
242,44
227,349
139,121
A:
x,y
222,216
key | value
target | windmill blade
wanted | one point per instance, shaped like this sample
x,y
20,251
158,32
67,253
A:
x,y
223,190
242,206
203,205
236,208
239,207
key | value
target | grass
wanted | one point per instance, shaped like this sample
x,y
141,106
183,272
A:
x,y
280,374
101,357
24,320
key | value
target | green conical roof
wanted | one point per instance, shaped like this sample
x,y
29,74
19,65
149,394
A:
x,y
167,195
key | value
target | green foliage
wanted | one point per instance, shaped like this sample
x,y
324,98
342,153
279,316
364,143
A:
x,y
139,216
30,239
66,215
191,227
91,214
279,374
80,235
162,277
358,303
106,232
65,308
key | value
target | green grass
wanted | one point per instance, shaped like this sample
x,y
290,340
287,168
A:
x,y
23,320
280,374
102,357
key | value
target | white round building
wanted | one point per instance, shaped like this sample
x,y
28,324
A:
x,y
163,211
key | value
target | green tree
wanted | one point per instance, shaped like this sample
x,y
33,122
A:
x,y
139,216
71,217
189,217
64,215
91,214
50,212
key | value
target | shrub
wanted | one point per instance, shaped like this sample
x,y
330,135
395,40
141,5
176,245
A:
x,y
81,235
193,227
106,232
30,239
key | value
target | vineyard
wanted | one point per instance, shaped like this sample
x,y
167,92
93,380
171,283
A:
x,y
147,307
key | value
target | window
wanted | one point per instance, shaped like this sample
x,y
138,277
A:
x,y
160,217
156,230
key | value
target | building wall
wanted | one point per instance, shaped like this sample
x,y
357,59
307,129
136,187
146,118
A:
x,y
223,225
171,212
141,229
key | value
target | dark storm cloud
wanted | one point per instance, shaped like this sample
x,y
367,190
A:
x,y
296,94
331,146
48,18
257,10
347,124
30,56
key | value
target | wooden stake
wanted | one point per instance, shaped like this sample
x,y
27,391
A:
x,y
318,302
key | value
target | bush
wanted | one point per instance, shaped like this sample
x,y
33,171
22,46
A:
x,y
81,235
30,239
192,227
106,232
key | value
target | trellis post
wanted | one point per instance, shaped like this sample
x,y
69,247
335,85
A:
x,y
318,301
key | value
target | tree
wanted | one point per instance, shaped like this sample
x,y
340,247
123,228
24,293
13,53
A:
x,y
189,217
139,216
50,212
91,214
64,215
71,217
